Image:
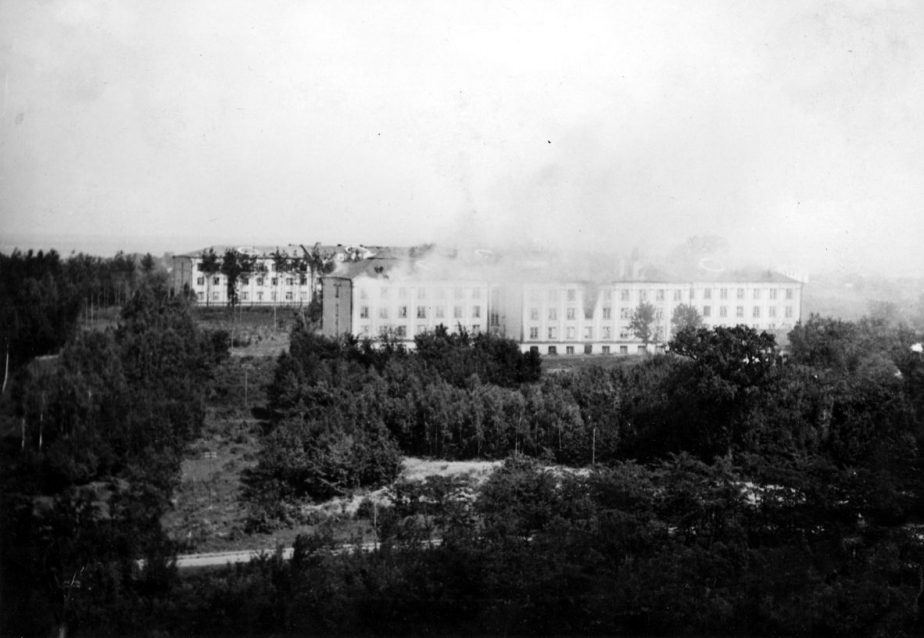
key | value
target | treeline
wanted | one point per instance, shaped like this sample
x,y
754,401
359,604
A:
x,y
344,410
42,296
92,446
679,547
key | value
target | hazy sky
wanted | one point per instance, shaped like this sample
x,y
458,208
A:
x,y
796,130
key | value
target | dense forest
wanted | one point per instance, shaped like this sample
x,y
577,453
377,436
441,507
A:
x,y
724,488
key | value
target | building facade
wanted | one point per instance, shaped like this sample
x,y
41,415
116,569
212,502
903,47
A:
x,y
266,285
550,317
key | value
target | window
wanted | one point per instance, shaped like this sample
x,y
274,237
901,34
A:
x,y
570,314
214,296
534,333
476,312
421,329
642,349
273,296
244,296
678,295
756,312
569,349
440,293
789,293
572,294
245,280
553,350
707,293
534,349
788,312
625,313
440,312
606,332
607,313
625,333
723,293
659,314
570,332
553,333
457,312
588,349
401,331
723,311
476,328
534,295
553,296
476,293
364,330
402,293
421,312
772,326
216,280
608,295
606,349
303,281
623,349
553,314
200,281
364,312
201,296
290,296
772,311
659,295
260,296
692,293
741,293
290,281
624,295
402,312
303,296
383,313
458,293
773,292
363,294
421,293
757,293
707,311
274,281
199,266
588,332
534,314
643,295
739,311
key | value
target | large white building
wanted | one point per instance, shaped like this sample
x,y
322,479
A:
x,y
266,285
542,311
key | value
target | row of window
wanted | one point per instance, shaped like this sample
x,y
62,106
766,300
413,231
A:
x,y
588,349
626,313
365,330
260,281
267,266
403,292
662,294
423,312
245,296
606,333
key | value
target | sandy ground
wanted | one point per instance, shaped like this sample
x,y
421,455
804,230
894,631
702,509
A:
x,y
414,469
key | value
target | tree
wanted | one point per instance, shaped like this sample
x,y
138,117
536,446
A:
x,y
642,323
281,265
685,316
234,265
209,266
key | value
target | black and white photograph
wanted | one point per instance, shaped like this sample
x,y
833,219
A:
x,y
445,319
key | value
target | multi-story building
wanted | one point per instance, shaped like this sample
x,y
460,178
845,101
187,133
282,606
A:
x,y
371,297
594,318
265,285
